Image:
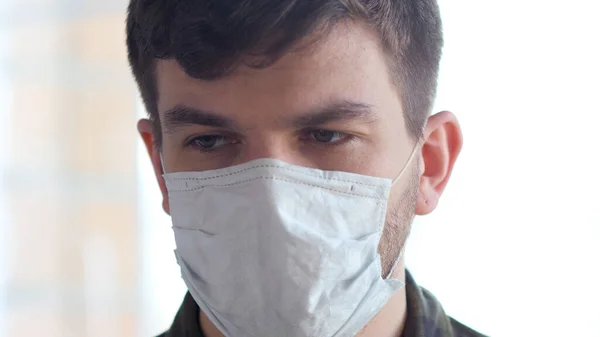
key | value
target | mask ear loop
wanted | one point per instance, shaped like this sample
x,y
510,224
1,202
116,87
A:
x,y
162,164
404,169
410,159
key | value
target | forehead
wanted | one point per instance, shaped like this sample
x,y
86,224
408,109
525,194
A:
x,y
348,63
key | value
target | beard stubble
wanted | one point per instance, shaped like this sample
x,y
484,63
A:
x,y
397,223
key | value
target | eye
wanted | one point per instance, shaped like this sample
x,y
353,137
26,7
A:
x,y
210,142
327,136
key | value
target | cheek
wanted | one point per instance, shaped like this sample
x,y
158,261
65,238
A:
x,y
391,147
366,158
384,158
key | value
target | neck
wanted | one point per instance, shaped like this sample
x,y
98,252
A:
x,y
389,322
209,329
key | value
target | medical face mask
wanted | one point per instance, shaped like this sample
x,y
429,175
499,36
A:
x,y
269,249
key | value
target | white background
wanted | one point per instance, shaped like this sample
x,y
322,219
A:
x,y
514,248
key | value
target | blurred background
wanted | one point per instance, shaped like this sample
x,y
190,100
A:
x,y
513,249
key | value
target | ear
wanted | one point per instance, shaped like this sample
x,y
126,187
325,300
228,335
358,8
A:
x,y
442,144
146,131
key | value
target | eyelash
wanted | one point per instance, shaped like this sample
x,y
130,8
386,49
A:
x,y
344,137
306,136
192,140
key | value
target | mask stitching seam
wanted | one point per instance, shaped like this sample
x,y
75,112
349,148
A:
x,y
274,166
275,178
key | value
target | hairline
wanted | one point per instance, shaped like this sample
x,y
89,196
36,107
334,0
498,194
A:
x,y
395,61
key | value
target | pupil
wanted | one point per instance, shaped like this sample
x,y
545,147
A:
x,y
207,141
324,136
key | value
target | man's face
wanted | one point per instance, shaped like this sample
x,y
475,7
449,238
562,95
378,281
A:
x,y
330,106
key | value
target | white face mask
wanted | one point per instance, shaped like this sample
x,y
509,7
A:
x,y
269,249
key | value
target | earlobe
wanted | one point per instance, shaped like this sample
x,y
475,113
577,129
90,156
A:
x,y
146,132
441,147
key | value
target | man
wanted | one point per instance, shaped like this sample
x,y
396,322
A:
x,y
293,145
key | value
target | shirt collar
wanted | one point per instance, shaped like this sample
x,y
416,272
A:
x,y
424,315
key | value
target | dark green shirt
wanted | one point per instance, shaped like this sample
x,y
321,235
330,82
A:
x,y
425,317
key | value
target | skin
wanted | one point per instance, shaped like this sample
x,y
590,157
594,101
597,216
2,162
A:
x,y
267,110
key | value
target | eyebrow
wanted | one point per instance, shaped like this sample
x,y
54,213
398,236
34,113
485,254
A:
x,y
345,110
334,112
182,115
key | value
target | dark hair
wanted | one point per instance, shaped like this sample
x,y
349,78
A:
x,y
210,38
